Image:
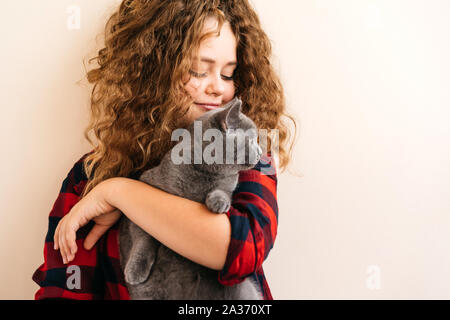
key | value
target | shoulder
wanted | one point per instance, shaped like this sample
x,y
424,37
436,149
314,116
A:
x,y
76,178
267,165
264,170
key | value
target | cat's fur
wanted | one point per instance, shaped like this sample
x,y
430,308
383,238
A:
x,y
153,271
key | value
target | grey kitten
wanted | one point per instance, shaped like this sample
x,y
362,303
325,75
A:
x,y
153,271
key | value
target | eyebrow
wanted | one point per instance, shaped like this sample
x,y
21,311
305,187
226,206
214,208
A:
x,y
209,60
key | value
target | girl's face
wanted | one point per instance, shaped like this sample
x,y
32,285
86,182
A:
x,y
211,84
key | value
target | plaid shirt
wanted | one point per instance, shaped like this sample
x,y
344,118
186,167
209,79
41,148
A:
x,y
253,216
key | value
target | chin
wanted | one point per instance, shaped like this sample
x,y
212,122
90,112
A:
x,y
195,113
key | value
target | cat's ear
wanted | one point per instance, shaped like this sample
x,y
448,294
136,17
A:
x,y
229,118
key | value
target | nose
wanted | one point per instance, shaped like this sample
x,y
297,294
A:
x,y
216,86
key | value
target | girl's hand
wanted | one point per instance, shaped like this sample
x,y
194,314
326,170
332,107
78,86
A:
x,y
92,207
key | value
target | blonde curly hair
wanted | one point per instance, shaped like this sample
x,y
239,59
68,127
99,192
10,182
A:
x,y
138,95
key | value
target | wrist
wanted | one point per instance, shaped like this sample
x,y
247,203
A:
x,y
111,190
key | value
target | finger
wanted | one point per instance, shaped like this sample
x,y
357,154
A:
x,y
62,250
55,238
62,245
96,232
66,249
73,248
67,240
58,239
71,245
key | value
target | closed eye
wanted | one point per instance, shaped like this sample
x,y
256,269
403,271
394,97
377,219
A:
x,y
202,75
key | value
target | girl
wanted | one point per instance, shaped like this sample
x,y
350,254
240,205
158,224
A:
x,y
165,63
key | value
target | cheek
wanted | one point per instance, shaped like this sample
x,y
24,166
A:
x,y
230,91
193,86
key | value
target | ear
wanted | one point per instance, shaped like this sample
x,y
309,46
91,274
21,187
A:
x,y
229,117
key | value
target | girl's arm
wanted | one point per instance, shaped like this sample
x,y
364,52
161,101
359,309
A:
x,y
235,243
185,226
51,276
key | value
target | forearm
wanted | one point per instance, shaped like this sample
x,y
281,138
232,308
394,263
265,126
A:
x,y
185,226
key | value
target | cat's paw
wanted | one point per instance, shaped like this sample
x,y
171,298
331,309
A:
x,y
135,274
218,201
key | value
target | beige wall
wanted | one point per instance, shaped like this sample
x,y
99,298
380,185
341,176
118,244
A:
x,y
369,84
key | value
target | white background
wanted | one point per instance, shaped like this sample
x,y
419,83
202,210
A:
x,y
369,185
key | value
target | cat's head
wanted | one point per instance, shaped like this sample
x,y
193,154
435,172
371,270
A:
x,y
228,139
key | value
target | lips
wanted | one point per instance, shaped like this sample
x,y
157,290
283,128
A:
x,y
208,106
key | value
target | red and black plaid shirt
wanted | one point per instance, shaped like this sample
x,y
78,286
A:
x,y
253,216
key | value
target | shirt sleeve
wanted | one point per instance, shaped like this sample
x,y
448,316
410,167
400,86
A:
x,y
254,220
80,278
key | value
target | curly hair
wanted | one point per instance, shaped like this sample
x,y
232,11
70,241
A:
x,y
138,95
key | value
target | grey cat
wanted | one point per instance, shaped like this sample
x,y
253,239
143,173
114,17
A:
x,y
153,271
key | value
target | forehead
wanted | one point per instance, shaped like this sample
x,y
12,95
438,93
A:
x,y
220,48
